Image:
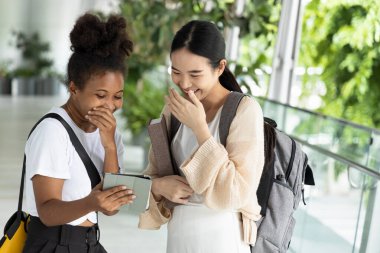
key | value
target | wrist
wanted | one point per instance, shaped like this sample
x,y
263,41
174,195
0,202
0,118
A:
x,y
89,204
110,148
111,170
156,189
202,133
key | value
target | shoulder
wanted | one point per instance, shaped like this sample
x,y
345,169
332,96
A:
x,y
248,122
49,125
249,107
48,138
50,130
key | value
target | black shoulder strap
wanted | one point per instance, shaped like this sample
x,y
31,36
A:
x,y
228,114
90,167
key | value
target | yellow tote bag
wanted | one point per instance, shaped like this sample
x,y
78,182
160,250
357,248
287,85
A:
x,y
15,232
16,229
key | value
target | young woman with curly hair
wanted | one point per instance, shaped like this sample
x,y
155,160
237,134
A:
x,y
59,196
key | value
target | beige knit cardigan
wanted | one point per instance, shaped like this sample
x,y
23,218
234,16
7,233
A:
x,y
227,177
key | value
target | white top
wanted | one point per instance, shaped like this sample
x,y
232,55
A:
x,y
185,143
49,152
195,228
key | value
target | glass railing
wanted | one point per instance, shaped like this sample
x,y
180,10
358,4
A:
x,y
343,210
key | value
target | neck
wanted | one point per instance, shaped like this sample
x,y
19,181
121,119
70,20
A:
x,y
78,119
215,99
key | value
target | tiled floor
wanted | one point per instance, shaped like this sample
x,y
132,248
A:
x,y
17,115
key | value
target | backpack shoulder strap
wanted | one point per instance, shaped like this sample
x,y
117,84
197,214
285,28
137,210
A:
x,y
228,114
174,126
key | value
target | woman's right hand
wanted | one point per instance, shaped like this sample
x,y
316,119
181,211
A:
x,y
110,200
174,188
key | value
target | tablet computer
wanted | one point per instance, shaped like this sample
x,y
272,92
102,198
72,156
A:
x,y
140,185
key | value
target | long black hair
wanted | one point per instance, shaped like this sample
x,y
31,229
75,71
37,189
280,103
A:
x,y
204,39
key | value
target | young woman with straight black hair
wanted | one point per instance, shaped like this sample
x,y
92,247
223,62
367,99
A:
x,y
216,188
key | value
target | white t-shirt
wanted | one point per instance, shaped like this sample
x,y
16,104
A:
x,y
49,152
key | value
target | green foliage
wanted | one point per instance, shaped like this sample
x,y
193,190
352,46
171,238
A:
x,y
343,38
4,68
258,26
33,51
144,101
142,104
153,23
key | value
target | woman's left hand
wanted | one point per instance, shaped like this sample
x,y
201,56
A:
x,y
104,119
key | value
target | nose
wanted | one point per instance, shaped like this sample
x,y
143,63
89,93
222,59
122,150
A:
x,y
109,104
184,83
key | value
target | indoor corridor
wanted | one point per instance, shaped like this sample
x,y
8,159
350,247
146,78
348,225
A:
x,y
18,114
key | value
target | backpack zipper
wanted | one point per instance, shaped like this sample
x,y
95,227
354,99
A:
x,y
290,165
303,180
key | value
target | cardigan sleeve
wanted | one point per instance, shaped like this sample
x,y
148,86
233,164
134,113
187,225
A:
x,y
157,213
228,177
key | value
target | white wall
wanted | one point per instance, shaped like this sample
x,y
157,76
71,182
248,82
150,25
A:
x,y
53,19
12,17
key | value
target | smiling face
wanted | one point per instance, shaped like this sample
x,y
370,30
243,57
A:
x,y
101,90
193,72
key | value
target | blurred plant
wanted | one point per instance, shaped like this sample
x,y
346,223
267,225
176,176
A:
x,y
343,38
5,77
5,69
33,52
152,25
258,30
143,102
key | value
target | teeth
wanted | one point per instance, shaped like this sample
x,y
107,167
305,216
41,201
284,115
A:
x,y
189,91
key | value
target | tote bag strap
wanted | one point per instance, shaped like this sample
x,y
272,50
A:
x,y
90,166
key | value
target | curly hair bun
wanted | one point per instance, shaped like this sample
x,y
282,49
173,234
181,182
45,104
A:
x,y
90,35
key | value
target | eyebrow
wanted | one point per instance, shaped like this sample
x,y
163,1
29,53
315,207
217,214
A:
x,y
191,71
107,90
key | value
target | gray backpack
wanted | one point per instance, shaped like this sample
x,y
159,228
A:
x,y
281,187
